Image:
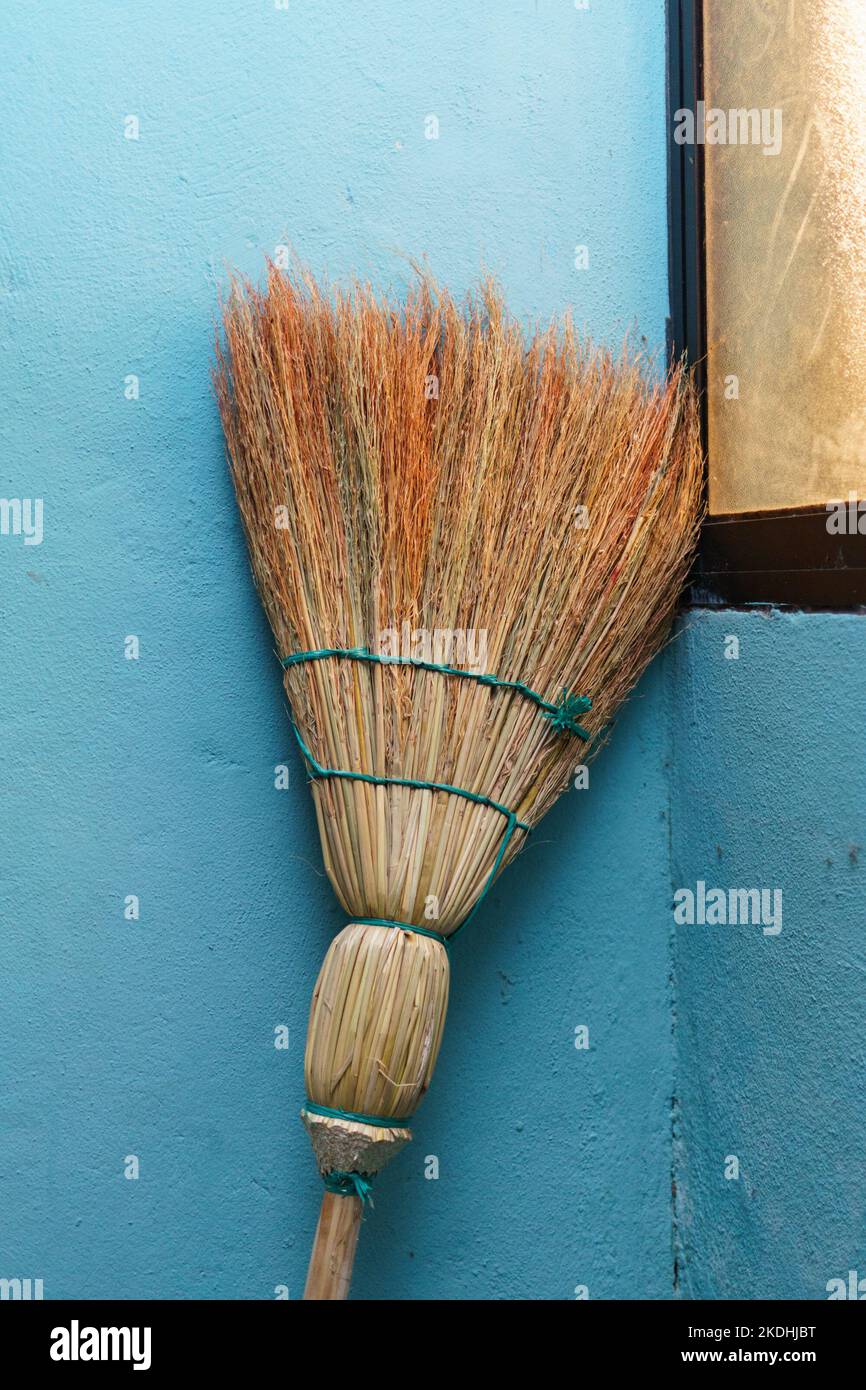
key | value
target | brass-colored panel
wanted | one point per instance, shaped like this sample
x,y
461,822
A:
x,y
786,251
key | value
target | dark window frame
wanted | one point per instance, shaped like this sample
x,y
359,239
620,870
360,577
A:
x,y
784,557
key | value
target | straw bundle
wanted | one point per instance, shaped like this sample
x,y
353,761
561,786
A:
x,y
521,515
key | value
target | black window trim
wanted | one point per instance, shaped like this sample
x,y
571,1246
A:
x,y
785,557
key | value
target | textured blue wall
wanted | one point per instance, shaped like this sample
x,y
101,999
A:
x,y
769,790
154,777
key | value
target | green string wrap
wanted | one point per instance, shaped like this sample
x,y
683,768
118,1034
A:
x,y
349,1185
403,926
378,1121
563,716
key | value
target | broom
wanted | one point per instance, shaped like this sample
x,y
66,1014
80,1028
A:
x,y
468,548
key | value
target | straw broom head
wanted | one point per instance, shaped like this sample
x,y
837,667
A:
x,y
426,476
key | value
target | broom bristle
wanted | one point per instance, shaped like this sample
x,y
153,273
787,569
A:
x,y
425,470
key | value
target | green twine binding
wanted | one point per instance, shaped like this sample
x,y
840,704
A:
x,y
379,1121
403,926
349,1185
563,716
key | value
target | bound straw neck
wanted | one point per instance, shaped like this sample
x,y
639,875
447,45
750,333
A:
x,y
402,926
356,1116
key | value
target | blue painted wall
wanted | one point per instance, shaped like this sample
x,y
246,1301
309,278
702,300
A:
x,y
154,777
769,790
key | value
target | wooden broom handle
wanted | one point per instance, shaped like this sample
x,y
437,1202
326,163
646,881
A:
x,y
330,1271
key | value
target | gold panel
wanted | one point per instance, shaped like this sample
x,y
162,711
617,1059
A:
x,y
786,250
